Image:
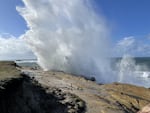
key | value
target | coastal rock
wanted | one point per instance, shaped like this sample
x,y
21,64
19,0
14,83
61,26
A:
x,y
37,91
107,98
22,94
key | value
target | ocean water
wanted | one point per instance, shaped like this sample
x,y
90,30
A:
x,y
138,61
31,63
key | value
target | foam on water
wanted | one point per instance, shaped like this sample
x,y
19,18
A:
x,y
143,74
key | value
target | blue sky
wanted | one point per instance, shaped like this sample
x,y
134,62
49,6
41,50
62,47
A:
x,y
126,17
128,20
10,20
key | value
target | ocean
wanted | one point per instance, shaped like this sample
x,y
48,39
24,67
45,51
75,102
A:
x,y
138,61
31,63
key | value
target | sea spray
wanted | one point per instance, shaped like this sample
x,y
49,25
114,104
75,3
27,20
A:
x,y
126,67
129,71
67,35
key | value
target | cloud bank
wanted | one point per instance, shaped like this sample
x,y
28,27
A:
x,y
13,48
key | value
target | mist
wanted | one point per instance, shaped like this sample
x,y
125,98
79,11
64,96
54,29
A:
x,y
68,36
130,72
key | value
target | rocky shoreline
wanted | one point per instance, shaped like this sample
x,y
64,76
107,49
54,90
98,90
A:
x,y
23,94
36,91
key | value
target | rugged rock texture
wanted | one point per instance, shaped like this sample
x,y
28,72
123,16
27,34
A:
x,y
22,94
26,96
127,97
36,91
108,98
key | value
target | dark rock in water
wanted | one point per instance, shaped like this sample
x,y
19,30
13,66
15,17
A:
x,y
89,78
92,79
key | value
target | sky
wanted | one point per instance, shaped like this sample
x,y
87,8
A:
x,y
128,17
128,21
10,20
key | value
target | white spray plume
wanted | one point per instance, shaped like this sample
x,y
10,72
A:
x,y
126,68
67,35
131,72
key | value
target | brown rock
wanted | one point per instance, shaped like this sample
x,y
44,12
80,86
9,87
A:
x,y
71,93
108,98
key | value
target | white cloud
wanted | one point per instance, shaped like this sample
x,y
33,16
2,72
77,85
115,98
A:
x,y
126,42
131,45
13,48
